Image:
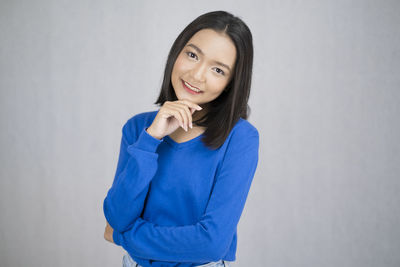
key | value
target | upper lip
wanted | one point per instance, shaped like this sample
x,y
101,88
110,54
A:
x,y
191,85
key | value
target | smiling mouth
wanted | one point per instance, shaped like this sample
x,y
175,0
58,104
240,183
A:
x,y
191,89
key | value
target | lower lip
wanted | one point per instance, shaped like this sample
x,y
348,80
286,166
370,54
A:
x,y
190,90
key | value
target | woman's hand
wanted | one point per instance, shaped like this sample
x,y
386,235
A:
x,y
108,233
171,115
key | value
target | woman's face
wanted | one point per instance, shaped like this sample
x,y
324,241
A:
x,y
206,63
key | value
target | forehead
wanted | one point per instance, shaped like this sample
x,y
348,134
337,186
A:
x,y
215,46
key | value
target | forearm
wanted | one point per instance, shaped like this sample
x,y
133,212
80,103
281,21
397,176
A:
x,y
125,199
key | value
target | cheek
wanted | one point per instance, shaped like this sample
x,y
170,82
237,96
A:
x,y
177,71
180,65
217,85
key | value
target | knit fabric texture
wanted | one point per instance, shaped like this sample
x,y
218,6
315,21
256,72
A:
x,y
179,204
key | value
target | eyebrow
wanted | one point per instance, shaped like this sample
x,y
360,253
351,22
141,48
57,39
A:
x,y
201,52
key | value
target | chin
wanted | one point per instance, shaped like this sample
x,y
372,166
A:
x,y
183,96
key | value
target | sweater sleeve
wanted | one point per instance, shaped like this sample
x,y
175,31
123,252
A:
x,y
208,239
137,165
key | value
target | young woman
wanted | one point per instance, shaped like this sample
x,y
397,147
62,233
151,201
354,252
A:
x,y
185,170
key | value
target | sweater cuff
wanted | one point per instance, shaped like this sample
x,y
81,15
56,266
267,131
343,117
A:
x,y
146,142
117,237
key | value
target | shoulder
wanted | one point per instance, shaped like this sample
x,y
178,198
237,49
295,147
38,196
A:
x,y
242,144
243,128
243,136
136,123
142,118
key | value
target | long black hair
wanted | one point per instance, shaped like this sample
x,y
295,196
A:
x,y
224,111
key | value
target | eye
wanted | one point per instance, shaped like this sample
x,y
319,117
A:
x,y
191,54
218,70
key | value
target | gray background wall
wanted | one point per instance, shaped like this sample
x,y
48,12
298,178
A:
x,y
325,99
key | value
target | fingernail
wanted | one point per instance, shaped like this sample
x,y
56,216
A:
x,y
200,107
186,128
191,125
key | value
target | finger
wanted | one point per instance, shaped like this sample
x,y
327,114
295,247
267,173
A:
x,y
190,104
168,111
177,115
193,107
190,110
183,113
187,113
183,109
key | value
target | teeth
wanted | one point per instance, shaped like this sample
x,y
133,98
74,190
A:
x,y
194,89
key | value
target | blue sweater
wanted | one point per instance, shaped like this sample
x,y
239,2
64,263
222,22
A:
x,y
178,204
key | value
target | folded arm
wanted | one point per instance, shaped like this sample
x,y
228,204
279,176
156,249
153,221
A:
x,y
210,238
137,165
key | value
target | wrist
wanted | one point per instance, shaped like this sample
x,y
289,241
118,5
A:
x,y
150,132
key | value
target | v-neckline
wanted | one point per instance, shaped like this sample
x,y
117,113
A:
x,y
177,145
185,143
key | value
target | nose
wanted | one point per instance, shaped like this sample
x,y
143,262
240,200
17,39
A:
x,y
198,72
